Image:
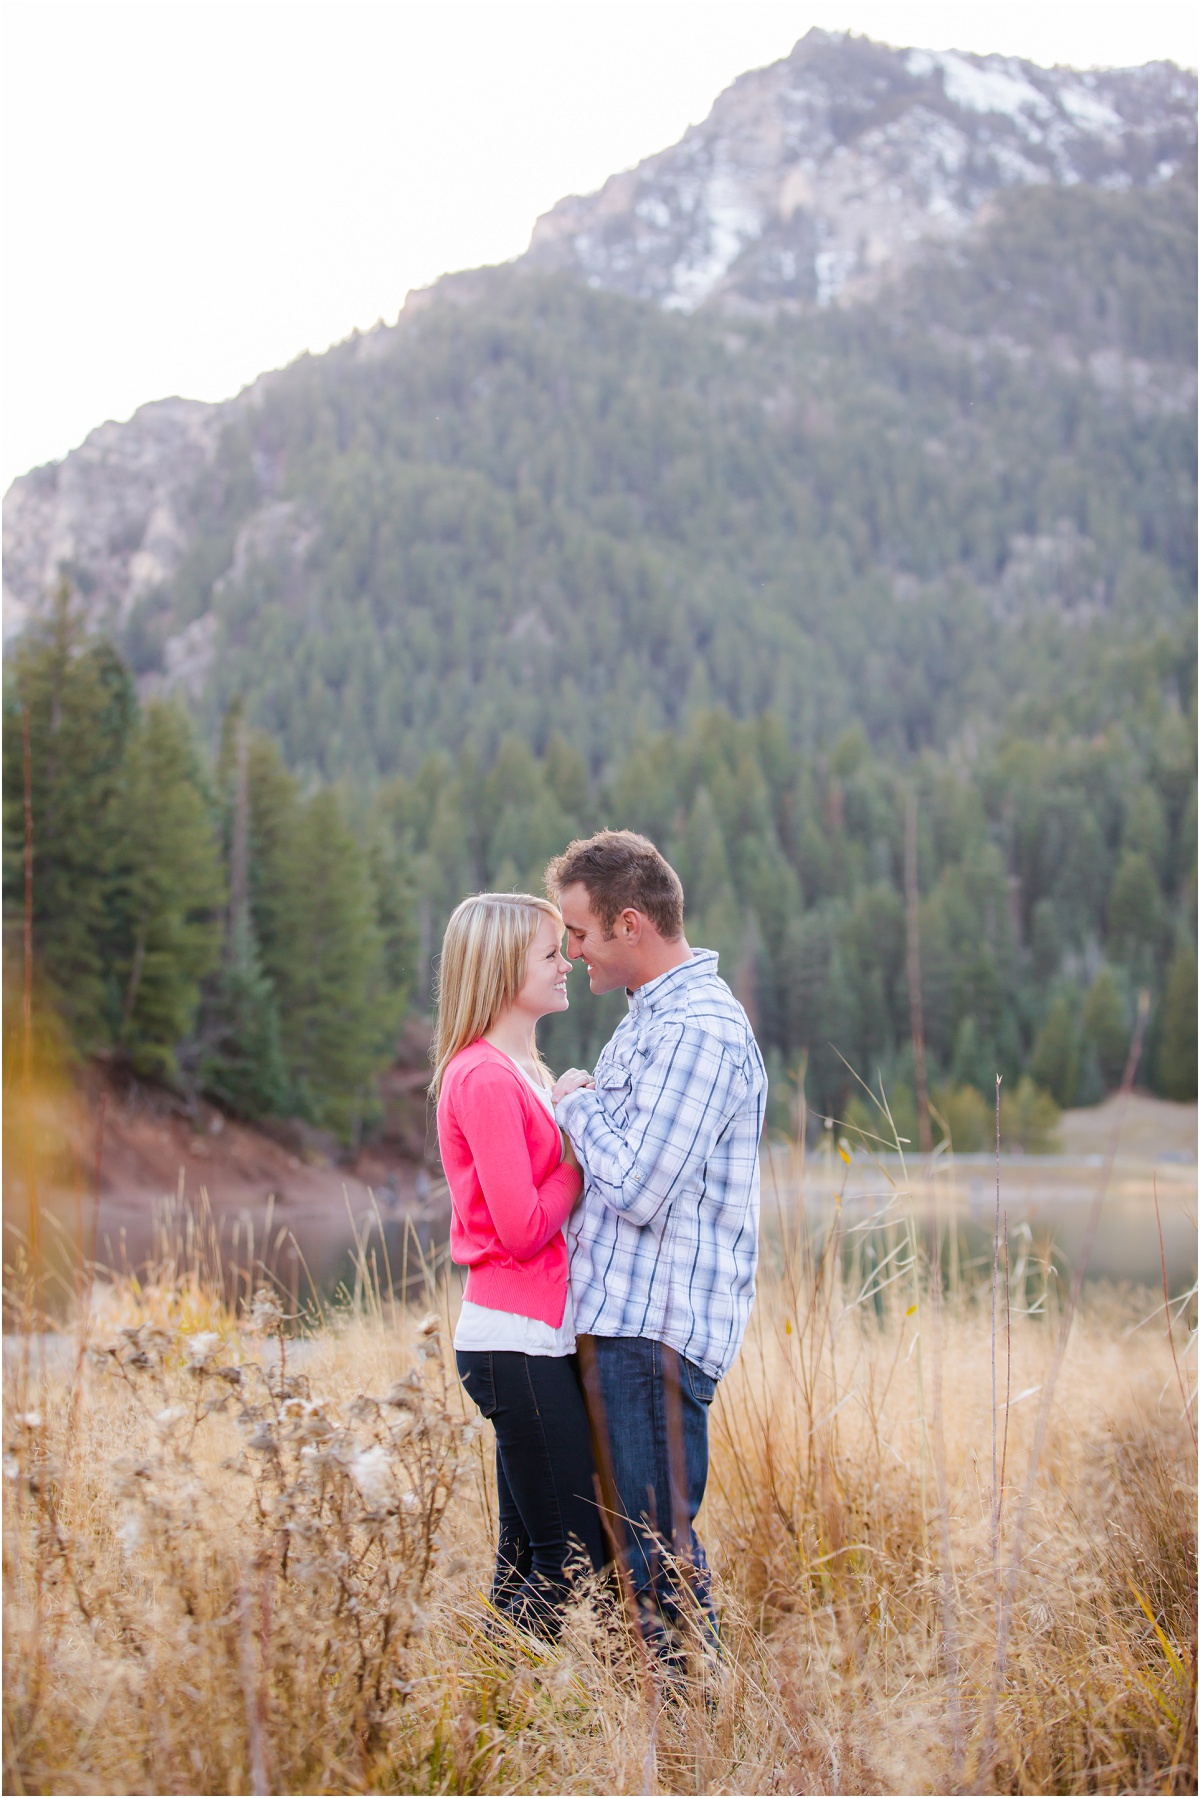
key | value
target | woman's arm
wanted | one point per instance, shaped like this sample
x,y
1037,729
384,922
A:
x,y
526,1216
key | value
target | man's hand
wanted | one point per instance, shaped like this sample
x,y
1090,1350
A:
x,y
570,1082
570,1158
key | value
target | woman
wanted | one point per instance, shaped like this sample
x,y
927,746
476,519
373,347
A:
x,y
513,1181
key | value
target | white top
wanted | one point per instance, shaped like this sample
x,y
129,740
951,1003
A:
x,y
479,1327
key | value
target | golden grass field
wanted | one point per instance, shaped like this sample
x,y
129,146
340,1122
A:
x,y
226,1571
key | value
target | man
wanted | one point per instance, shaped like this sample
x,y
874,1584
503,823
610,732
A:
x,y
665,1244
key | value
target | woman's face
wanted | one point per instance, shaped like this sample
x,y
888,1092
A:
x,y
544,988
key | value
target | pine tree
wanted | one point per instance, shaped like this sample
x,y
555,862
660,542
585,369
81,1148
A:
x,y
1054,1063
167,891
241,1062
1105,1028
239,1056
274,818
1134,909
81,711
336,1010
1177,1044
396,916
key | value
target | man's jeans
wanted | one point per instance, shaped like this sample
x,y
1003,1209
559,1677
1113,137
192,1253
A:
x,y
648,1408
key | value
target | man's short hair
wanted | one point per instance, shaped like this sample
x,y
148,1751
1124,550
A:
x,y
620,869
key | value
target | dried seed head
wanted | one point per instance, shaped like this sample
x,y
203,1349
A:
x,y
131,1533
371,1471
315,1460
129,1478
314,1428
402,1419
202,1349
429,1325
265,1313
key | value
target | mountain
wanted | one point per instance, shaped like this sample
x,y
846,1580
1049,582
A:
x,y
745,561
868,401
815,179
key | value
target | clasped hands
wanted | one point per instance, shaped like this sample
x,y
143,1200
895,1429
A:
x,y
570,1082
573,1081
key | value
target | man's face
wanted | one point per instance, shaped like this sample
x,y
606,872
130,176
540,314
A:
x,y
610,960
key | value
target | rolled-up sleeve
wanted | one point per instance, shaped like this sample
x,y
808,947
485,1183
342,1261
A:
x,y
638,1152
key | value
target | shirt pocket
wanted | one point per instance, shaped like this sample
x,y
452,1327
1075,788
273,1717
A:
x,y
614,1085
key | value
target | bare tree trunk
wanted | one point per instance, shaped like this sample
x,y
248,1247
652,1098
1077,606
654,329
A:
x,y
135,975
912,894
35,1245
239,852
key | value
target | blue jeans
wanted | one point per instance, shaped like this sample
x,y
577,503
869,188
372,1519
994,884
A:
x,y
648,1408
545,1484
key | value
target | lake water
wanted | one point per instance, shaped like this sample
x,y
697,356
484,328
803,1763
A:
x,y
1048,1202
327,1250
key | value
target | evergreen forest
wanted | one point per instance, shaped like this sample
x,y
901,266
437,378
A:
x,y
544,559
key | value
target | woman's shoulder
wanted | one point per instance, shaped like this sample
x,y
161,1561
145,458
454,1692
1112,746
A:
x,y
481,1067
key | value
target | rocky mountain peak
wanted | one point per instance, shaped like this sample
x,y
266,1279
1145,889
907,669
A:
x,y
809,182
813,177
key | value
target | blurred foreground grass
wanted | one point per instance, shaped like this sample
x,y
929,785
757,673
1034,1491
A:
x,y
239,1559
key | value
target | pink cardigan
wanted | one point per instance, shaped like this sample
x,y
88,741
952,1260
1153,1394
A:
x,y
510,1192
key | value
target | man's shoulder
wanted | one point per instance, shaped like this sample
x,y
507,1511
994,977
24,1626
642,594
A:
x,y
704,1011
710,1006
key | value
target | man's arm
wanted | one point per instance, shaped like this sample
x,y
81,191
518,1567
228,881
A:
x,y
679,1103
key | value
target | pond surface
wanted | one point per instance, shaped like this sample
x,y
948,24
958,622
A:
x,y
1048,1203
395,1238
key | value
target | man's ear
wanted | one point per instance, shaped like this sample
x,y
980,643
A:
x,y
630,922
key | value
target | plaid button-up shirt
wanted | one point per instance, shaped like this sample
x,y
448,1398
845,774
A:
x,y
665,1243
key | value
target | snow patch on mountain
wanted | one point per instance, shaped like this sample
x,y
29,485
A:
x,y
813,180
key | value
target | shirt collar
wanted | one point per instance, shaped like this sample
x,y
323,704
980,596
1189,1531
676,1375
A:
x,y
703,961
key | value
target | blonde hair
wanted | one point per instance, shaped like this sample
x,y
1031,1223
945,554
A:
x,y
482,968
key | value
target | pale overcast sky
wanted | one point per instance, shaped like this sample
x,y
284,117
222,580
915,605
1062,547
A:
x,y
196,192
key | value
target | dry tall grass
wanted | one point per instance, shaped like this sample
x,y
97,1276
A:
x,y
228,1570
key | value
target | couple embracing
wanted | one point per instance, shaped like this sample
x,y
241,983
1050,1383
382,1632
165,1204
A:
x,y
608,1222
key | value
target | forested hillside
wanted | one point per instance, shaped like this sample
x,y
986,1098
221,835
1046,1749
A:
x,y
547,509
547,558
1057,877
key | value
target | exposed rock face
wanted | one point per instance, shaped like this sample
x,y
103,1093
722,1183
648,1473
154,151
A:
x,y
112,515
812,178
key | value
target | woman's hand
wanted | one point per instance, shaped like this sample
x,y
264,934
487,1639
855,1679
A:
x,y
570,1082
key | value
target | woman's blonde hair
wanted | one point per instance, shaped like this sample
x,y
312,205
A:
x,y
482,968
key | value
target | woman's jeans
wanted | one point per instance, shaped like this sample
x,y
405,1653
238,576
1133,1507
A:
x,y
649,1414
549,1515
